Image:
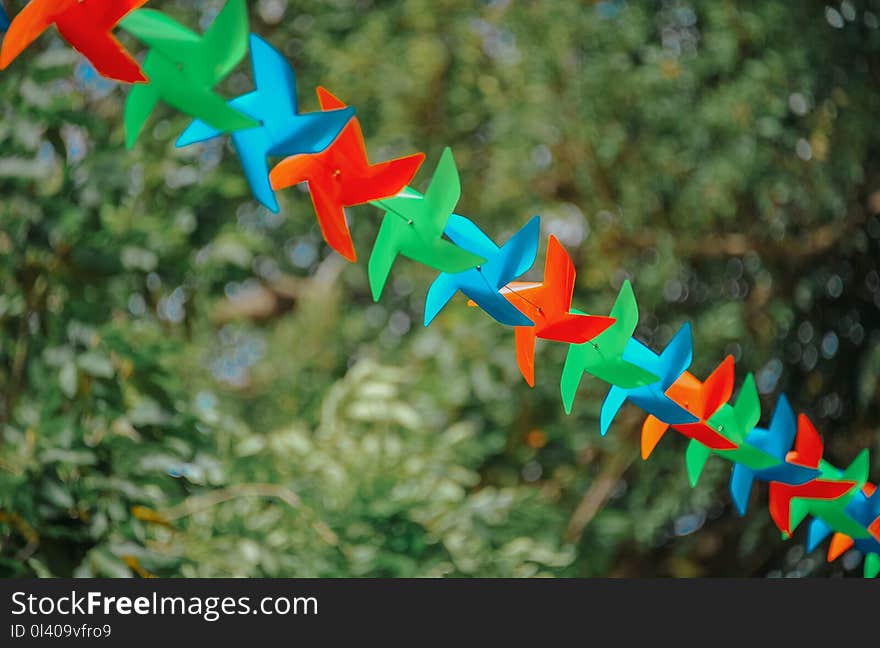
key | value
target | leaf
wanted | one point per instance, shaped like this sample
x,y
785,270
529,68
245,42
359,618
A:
x,y
96,364
69,457
106,564
58,495
68,377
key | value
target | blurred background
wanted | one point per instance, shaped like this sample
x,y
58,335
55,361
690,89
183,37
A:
x,y
193,386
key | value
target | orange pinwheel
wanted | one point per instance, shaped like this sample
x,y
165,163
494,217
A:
x,y
548,305
86,25
700,399
341,176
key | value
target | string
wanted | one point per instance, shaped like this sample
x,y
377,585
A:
x,y
517,294
383,205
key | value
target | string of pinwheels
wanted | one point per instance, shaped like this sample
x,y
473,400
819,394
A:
x,y
326,150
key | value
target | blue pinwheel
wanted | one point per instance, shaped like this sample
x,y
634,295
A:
x,y
283,130
668,365
483,283
775,441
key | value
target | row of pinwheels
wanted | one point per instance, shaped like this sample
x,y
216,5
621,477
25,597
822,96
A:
x,y
326,150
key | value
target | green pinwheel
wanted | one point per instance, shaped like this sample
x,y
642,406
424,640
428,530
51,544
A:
x,y
183,68
603,355
413,226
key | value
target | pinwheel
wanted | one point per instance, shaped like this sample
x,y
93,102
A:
x,y
725,432
602,357
836,511
864,509
774,441
831,486
282,129
484,283
671,363
548,305
86,24
342,176
413,226
183,67
700,399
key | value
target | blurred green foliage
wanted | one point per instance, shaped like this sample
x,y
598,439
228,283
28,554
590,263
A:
x,y
192,386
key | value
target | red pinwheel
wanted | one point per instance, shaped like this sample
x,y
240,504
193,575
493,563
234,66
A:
x,y
808,452
86,25
548,305
342,176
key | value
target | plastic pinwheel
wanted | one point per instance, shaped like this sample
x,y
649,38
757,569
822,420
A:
x,y
602,357
183,67
413,226
671,363
785,499
484,283
548,305
835,512
842,505
864,510
732,424
86,24
282,129
774,441
342,176
700,399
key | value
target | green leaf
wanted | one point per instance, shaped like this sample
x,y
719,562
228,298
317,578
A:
x,y
68,377
95,364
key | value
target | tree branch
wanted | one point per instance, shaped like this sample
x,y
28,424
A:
x,y
203,502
